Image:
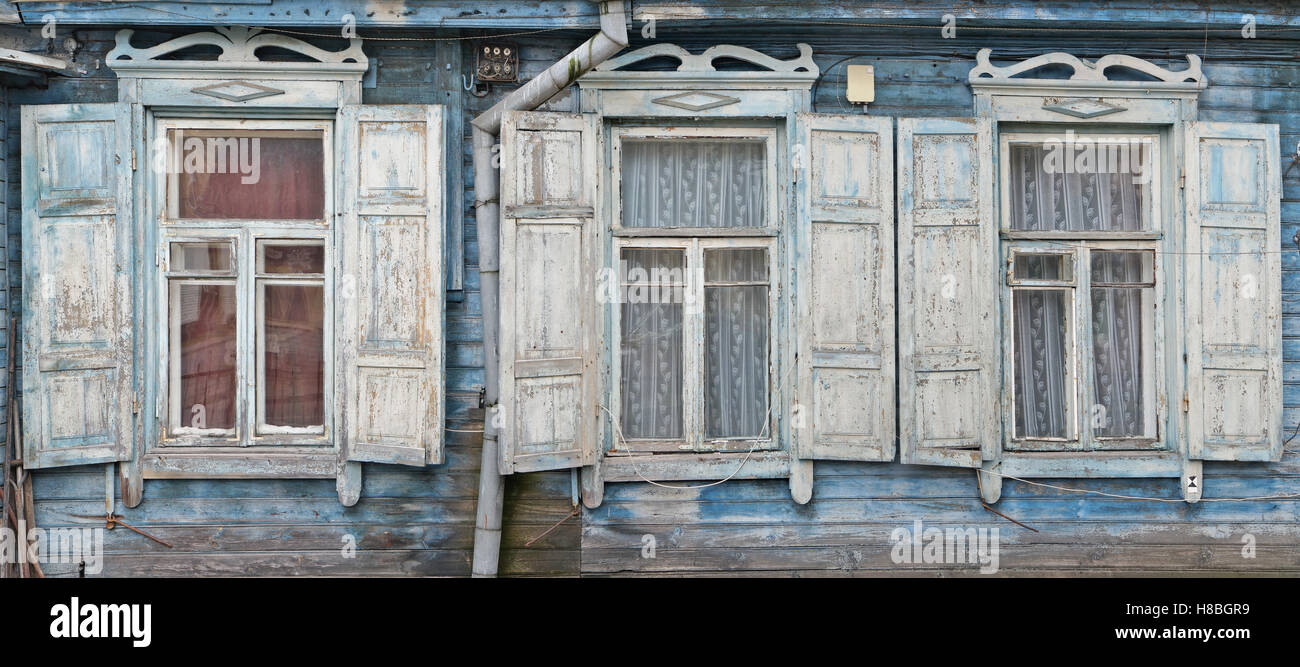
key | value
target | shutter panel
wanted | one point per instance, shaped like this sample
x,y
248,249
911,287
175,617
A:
x,y
78,353
389,287
947,315
549,326
846,288
1234,291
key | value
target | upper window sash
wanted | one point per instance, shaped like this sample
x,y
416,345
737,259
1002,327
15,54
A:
x,y
765,136
169,157
1130,162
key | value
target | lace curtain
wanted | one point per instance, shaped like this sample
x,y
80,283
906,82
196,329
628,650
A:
x,y
1042,201
1055,202
652,349
689,183
735,382
735,342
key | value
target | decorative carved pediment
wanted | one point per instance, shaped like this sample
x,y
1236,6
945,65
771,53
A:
x,y
986,72
238,44
703,62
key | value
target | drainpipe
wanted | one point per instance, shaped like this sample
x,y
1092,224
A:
x,y
611,39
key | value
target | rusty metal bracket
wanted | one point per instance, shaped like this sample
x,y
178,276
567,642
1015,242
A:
x,y
112,521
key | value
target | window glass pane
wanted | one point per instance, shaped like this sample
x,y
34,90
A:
x,y
1122,365
735,343
1055,186
1123,267
203,317
294,350
651,355
692,183
1041,363
216,257
247,174
1042,267
291,257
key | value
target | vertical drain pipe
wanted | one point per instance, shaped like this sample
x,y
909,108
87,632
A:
x,y
611,39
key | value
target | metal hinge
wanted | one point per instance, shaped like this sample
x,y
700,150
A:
x,y
1187,404
135,405
132,159
1182,178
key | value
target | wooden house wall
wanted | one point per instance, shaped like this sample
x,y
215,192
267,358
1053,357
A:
x,y
752,527
413,521
409,521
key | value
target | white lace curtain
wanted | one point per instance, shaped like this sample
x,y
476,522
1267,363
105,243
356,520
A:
x,y
735,382
1053,202
690,183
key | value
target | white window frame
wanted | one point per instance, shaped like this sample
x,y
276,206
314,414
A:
x,y
250,433
694,240
1078,246
693,335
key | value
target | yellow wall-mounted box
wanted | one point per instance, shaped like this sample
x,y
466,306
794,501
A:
x,y
861,84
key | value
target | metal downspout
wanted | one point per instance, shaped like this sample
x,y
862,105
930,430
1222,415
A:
x,y
611,39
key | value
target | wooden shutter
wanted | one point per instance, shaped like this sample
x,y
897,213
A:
x,y
78,353
947,301
1234,292
846,288
549,327
389,284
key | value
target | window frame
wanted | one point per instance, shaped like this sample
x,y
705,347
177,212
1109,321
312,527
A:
x,y
693,375
765,133
1078,246
245,236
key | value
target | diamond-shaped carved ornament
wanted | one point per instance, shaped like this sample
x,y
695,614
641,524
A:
x,y
1083,108
237,91
696,101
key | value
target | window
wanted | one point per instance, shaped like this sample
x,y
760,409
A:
x,y
696,301
694,331
1082,311
245,227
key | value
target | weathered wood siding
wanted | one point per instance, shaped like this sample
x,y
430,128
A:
x,y
409,521
752,527
420,521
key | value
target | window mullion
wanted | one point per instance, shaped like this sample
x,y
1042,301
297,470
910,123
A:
x,y
1083,346
695,351
247,331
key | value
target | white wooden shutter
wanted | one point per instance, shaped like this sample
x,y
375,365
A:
x,y
947,301
78,355
549,326
389,284
1234,292
846,288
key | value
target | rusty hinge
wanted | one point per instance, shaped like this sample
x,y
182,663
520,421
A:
x,y
1182,178
132,159
135,405
1187,404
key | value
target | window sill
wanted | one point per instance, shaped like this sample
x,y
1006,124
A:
x,y
1092,464
692,467
241,464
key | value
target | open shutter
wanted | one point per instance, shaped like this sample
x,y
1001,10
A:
x,y
77,266
549,328
846,288
1234,292
389,285
947,301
